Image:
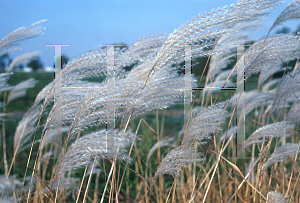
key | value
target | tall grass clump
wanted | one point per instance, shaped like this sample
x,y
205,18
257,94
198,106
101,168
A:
x,y
125,140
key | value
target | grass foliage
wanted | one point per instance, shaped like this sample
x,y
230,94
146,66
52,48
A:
x,y
99,139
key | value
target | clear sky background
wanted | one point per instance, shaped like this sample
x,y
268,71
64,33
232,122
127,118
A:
x,y
87,24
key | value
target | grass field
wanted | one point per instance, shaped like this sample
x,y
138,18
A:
x,y
113,125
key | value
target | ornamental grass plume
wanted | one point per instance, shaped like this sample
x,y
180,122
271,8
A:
x,y
277,129
18,35
20,89
267,53
288,90
276,197
206,121
294,112
84,149
282,153
22,59
177,158
221,60
292,11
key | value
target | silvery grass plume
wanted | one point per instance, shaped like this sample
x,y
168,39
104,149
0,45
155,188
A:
x,y
294,112
225,52
19,90
271,130
77,96
87,65
26,127
205,28
177,158
206,121
92,64
164,88
18,35
195,111
21,59
84,104
276,197
84,107
90,111
282,153
144,49
253,9
225,44
4,77
84,149
292,11
265,54
288,89
287,134
75,101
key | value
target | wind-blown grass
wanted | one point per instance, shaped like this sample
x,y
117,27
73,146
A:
x,y
183,171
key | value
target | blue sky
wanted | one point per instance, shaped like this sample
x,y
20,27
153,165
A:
x,y
87,24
